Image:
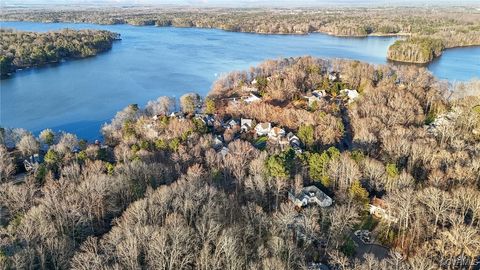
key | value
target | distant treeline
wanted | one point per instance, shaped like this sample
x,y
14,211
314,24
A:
x,y
27,49
430,28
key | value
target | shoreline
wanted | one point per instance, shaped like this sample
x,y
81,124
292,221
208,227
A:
x,y
400,34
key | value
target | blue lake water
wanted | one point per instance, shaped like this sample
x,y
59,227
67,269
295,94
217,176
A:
x,y
79,96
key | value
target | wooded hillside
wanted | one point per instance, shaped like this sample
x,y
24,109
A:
x,y
202,191
27,49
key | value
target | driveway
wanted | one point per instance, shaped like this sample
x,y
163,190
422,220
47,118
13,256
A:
x,y
380,252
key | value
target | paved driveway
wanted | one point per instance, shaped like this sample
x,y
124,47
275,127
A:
x,y
380,252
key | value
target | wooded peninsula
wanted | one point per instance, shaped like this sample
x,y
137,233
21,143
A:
x,y
427,31
28,49
298,163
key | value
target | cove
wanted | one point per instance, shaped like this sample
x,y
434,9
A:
x,y
79,96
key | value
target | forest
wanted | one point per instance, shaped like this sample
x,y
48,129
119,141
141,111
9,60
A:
x,y
28,49
179,184
427,30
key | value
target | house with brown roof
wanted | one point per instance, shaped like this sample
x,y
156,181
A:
x,y
276,133
378,209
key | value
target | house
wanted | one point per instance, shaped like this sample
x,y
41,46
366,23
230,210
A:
x,y
377,208
310,195
246,88
179,115
352,95
276,133
319,93
311,100
332,76
31,164
315,96
207,119
294,142
263,129
246,124
252,98
232,123
217,142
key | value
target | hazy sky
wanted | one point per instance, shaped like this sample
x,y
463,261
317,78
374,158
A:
x,y
244,3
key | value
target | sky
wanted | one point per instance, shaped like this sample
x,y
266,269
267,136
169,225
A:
x,y
244,3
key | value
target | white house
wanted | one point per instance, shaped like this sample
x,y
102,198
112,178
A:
x,y
252,98
310,195
246,124
263,129
352,95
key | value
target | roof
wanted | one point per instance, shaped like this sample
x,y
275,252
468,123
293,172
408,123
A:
x,y
245,121
252,98
249,89
292,136
276,131
351,94
319,93
378,202
314,192
263,126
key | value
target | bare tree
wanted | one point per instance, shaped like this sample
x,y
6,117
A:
x,y
161,106
7,167
438,204
28,145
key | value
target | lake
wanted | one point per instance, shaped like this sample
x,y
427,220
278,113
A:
x,y
80,95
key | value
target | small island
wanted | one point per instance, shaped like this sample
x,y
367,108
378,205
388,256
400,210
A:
x,y
29,49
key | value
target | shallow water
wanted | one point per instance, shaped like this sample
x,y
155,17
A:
x,y
78,96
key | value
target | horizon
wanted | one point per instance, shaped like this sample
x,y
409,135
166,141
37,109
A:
x,y
236,4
